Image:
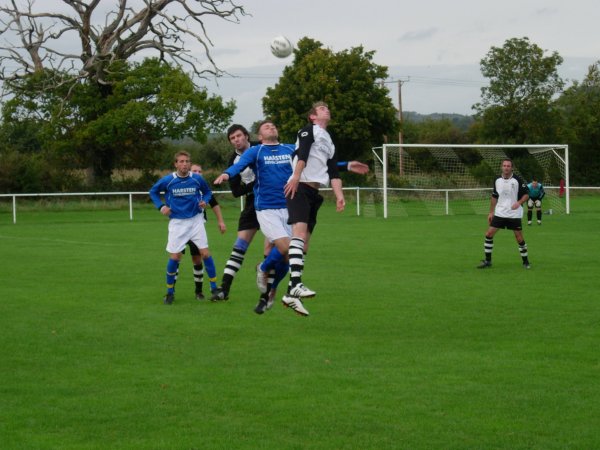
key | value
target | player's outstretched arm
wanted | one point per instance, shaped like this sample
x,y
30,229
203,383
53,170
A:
x,y
219,215
358,167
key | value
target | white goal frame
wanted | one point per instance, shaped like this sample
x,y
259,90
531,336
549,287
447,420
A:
x,y
381,154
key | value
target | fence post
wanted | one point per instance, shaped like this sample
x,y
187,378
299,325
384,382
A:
x,y
130,206
447,205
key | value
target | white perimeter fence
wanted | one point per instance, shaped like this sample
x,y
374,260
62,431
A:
x,y
355,190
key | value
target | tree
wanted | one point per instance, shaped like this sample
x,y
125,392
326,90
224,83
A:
x,y
429,131
74,65
150,101
580,109
516,107
349,81
37,39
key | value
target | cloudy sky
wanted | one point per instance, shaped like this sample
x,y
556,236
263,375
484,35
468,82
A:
x,y
434,47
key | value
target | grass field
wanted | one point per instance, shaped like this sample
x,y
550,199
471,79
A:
x,y
407,345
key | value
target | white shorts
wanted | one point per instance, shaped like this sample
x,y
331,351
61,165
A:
x,y
183,230
273,223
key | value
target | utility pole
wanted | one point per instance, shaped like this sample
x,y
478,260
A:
x,y
400,138
400,119
385,138
400,82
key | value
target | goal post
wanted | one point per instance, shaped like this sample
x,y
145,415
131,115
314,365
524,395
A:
x,y
448,179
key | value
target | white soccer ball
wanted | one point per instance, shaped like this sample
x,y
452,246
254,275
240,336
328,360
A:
x,y
281,47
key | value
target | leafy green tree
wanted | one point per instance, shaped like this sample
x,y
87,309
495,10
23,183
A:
x,y
516,107
432,131
34,172
149,101
580,109
71,59
349,81
429,131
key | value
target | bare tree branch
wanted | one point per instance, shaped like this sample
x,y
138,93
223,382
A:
x,y
33,39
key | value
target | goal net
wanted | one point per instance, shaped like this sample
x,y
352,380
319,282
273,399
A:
x,y
442,179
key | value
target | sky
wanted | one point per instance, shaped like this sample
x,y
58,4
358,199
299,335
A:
x,y
432,48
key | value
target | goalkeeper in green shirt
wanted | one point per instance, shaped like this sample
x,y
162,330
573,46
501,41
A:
x,y
536,194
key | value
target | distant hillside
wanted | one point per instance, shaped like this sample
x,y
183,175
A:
x,y
460,121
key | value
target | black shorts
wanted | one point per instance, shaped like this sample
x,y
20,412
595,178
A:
x,y
505,222
304,206
248,220
194,250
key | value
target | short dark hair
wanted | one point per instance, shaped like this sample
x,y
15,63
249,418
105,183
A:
x,y
237,127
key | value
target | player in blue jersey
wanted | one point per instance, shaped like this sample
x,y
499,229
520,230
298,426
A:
x,y
185,196
536,194
271,163
243,184
506,211
315,165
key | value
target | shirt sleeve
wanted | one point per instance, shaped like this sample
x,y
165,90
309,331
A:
x,y
155,191
306,138
523,189
495,191
342,166
206,191
238,188
332,168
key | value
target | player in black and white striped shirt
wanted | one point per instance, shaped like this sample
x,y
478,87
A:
x,y
315,165
506,211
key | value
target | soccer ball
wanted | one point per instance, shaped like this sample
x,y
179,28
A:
x,y
281,47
